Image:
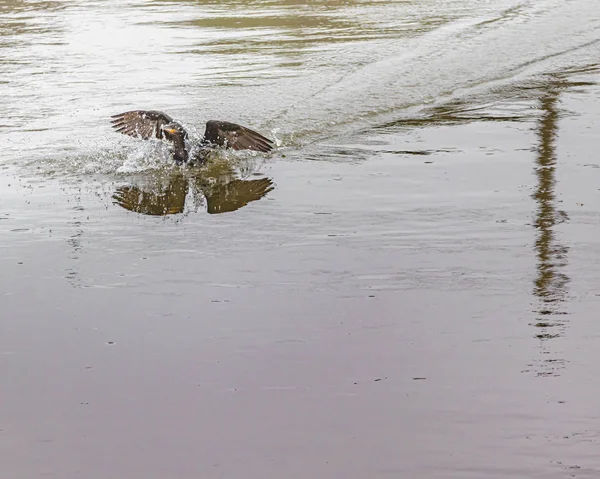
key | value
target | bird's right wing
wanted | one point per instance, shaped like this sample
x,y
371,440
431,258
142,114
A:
x,y
232,135
141,123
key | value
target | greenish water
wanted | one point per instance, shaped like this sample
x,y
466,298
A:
x,y
405,287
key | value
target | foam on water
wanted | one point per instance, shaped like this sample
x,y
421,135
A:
x,y
307,74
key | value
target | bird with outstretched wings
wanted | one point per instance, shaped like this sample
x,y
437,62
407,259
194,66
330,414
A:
x,y
146,124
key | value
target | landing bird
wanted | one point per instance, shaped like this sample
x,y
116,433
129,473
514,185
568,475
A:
x,y
147,124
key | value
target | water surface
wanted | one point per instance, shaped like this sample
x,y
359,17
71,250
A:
x,y
405,287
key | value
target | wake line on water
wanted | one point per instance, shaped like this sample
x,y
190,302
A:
x,y
380,81
458,59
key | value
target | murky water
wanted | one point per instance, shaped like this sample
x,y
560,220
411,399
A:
x,y
406,287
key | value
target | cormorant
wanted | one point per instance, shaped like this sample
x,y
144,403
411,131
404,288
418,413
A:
x,y
147,124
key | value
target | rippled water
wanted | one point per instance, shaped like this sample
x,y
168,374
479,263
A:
x,y
301,71
405,287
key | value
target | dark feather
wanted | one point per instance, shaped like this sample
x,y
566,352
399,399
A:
x,y
231,135
141,123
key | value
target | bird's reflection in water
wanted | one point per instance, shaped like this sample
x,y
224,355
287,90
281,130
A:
x,y
218,188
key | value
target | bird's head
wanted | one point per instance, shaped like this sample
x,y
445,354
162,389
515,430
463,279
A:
x,y
176,134
174,131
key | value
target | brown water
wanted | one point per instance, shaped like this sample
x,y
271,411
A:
x,y
406,287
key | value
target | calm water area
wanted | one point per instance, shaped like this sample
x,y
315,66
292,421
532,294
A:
x,y
408,286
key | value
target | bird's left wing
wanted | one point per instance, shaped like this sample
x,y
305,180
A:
x,y
143,124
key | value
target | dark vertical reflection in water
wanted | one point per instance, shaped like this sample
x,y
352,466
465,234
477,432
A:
x,y
550,287
75,242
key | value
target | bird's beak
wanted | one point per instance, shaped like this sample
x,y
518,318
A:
x,y
172,131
